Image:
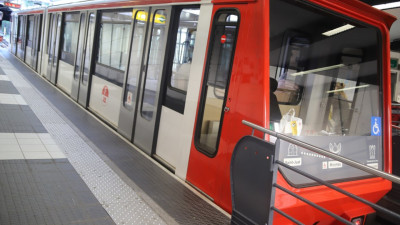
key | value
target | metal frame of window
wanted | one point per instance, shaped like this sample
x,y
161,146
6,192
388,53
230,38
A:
x,y
71,58
174,98
97,51
199,146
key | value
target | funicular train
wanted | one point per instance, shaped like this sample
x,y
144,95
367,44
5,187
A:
x,y
176,78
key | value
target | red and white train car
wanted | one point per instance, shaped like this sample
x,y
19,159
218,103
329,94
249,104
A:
x,y
176,78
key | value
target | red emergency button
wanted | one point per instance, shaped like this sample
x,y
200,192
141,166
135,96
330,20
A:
x,y
223,39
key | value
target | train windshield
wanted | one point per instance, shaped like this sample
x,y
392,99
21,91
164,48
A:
x,y
327,75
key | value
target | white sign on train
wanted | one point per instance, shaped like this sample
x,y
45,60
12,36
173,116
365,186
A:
x,y
292,161
373,165
334,164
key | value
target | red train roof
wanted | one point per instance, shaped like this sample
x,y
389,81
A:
x,y
359,9
354,7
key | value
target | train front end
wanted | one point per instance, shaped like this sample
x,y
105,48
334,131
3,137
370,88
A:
x,y
316,70
330,62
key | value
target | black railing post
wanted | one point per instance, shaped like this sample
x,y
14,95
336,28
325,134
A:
x,y
253,173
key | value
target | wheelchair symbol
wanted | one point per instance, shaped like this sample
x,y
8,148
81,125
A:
x,y
375,129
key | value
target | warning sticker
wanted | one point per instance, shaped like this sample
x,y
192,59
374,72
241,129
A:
x,y
129,98
292,161
324,165
104,92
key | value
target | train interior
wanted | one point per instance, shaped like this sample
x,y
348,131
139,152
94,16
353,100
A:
x,y
329,82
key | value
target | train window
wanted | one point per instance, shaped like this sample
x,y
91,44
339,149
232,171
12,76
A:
x,y
114,39
89,48
180,57
52,28
70,37
293,57
184,47
15,33
138,38
30,31
20,41
219,63
329,89
154,63
78,62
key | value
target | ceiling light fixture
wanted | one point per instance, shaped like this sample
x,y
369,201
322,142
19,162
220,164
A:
x,y
338,30
387,5
348,88
301,73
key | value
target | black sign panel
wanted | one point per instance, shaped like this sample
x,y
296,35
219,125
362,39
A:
x,y
363,149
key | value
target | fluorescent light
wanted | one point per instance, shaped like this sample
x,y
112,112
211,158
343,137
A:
x,y
317,70
192,11
387,5
348,88
338,30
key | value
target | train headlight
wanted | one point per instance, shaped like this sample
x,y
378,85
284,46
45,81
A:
x,y
358,220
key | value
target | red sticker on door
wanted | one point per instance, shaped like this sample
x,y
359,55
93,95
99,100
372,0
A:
x,y
104,92
223,39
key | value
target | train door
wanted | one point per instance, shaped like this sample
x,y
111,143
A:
x,y
221,102
54,41
112,52
79,55
14,34
128,108
183,72
46,44
21,37
68,48
50,39
82,69
142,89
36,41
29,39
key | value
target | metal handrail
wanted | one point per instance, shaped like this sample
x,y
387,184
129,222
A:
x,y
397,127
353,196
323,152
341,219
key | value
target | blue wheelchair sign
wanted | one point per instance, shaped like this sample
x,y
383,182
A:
x,y
376,126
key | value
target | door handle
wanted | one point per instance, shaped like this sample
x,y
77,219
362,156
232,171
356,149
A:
x,y
144,67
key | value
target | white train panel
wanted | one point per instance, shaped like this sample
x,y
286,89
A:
x,y
45,59
28,57
65,76
105,99
176,130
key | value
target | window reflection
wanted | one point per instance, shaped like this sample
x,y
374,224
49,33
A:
x,y
184,48
329,89
155,64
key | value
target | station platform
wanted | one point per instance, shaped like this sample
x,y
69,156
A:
x,y
61,165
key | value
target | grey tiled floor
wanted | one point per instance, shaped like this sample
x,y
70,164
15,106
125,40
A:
x,y
46,191
142,189
38,185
